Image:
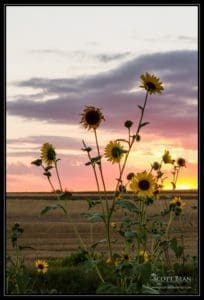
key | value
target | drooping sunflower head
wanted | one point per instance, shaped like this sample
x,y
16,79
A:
x,y
143,184
91,117
143,256
181,162
41,265
48,154
151,83
114,151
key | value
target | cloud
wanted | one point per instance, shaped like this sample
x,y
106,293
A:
x,y
105,58
109,57
62,142
173,112
186,38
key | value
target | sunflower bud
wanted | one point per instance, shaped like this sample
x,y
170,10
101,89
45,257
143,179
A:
x,y
156,166
128,123
122,188
130,176
113,225
181,162
138,137
167,159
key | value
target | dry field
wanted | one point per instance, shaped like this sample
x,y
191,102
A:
x,y
52,235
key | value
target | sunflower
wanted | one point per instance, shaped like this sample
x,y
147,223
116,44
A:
x,y
41,265
125,256
151,83
91,117
176,201
143,184
167,159
113,225
114,152
144,256
48,154
181,162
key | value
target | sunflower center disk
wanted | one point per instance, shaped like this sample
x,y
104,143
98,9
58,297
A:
x,y
150,85
40,266
51,154
116,152
144,185
178,203
92,117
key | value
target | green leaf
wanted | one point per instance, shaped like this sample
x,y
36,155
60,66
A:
x,y
173,244
48,168
108,288
96,159
143,270
127,204
130,234
26,247
173,185
51,207
48,174
122,140
94,216
140,107
99,242
179,251
66,196
37,162
149,290
144,124
92,203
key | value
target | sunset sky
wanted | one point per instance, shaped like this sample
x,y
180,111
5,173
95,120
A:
x,y
61,58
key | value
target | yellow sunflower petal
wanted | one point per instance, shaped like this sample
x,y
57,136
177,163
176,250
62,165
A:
x,y
114,151
143,184
151,83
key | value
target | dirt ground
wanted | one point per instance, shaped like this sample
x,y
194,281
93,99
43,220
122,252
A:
x,y
52,235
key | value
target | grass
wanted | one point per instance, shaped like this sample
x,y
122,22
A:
x,y
73,275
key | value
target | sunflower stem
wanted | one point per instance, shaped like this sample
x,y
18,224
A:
x,y
107,223
130,147
142,113
56,168
93,166
50,182
95,174
82,242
